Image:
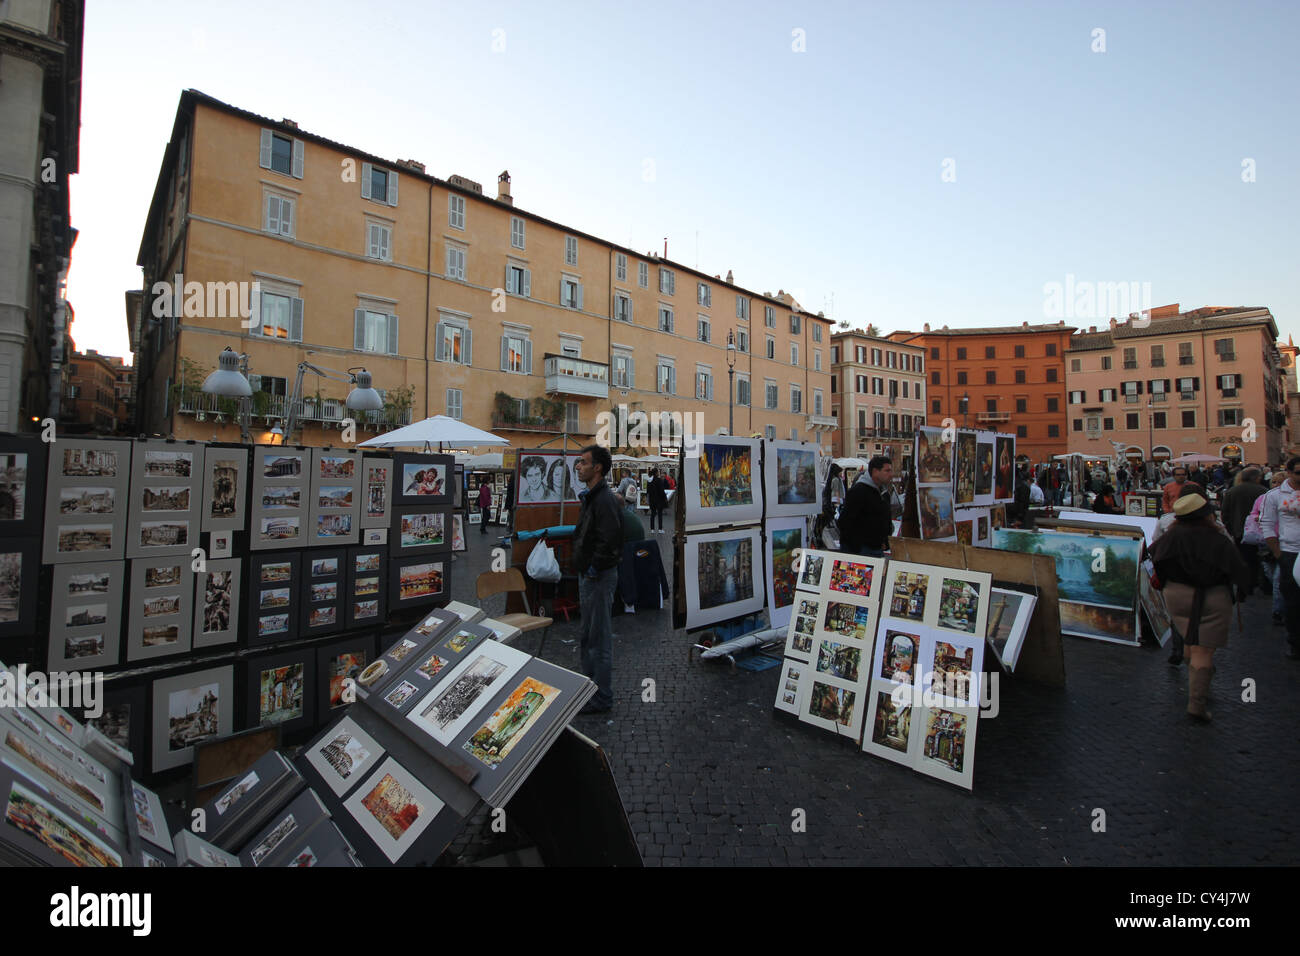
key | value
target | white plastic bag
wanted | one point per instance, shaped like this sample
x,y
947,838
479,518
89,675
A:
x,y
541,565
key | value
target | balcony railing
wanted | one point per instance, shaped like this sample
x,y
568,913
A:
x,y
1131,364
993,417
1157,363
276,408
574,376
542,426
1186,360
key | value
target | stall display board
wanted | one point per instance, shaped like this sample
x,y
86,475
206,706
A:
x,y
335,497
166,498
86,500
280,509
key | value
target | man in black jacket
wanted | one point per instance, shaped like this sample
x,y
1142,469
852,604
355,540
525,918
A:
x,y
865,519
597,552
658,499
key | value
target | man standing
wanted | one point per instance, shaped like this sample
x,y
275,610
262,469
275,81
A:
x,y
484,505
657,494
866,520
1174,488
1279,520
629,490
597,552
1238,502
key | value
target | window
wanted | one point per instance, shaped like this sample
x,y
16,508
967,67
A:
x,y
704,385
1157,356
570,292
862,384
516,352
961,378
622,370
278,153
1020,352
620,267
517,239
666,377
769,316
794,354
623,307
1131,420
665,319
742,307
374,332
770,394
702,328
455,403
1053,431
278,316
519,281
667,281
1225,349
379,241
1157,388
835,354
1188,387
1185,353
1077,425
278,217
570,251
456,212
1131,391
796,400
817,332
1022,431
891,359
1106,395
817,402
1022,404
1108,424
817,359
877,386
1053,403
935,406
1158,420
571,417
918,363
934,352
453,342
643,275
1051,374
1130,358
378,185
934,378
771,347
742,340
1228,385
796,323
990,377
456,262
1189,418
703,295
1020,376
1051,348
990,351
876,357
991,404
961,354
742,391
1105,363
770,432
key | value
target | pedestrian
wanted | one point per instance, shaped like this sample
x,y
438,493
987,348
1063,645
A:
x,y
1121,475
866,520
1273,570
1202,574
1239,502
484,505
597,553
833,492
669,480
656,496
1105,502
1279,522
510,501
633,529
629,489
1175,488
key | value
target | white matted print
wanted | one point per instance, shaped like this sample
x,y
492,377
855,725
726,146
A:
x,y
947,743
344,755
720,479
832,704
853,577
891,730
800,631
1008,623
790,478
961,603
897,657
787,692
808,569
984,467
393,808
951,667
723,576
785,536
446,710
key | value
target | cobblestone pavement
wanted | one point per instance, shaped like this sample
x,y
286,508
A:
x,y
710,773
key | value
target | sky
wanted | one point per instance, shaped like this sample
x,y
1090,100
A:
x,y
887,163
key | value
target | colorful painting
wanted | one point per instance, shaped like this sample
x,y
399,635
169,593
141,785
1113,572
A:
x,y
935,505
339,668
1004,458
848,621
933,457
907,597
839,660
492,743
959,604
892,725
983,468
784,543
60,833
393,806
898,656
796,476
964,486
849,577
424,479
831,703
726,476
726,572
281,694
945,739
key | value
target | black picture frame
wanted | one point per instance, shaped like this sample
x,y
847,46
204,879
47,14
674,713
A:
x,y
375,611
418,514
260,634
329,686
405,467
396,566
22,485
304,698
20,571
322,615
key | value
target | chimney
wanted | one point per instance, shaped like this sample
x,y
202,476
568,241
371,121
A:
x,y
1092,330
1024,325
292,124
926,327
729,279
665,247
411,164
1113,324
503,188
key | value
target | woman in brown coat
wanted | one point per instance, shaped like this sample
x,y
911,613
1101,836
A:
x,y
1203,573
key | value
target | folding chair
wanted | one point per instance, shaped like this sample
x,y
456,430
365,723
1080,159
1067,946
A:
x,y
512,581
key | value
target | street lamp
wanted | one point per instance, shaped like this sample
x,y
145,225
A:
x,y
362,398
731,378
1151,439
230,380
965,406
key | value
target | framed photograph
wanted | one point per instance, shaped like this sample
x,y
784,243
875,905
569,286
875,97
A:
x,y
280,503
720,481
336,664
220,544
20,572
335,497
787,691
1004,464
85,615
373,536
421,529
934,456
86,500
22,485
324,593
1135,505
344,756
418,581
376,491
790,478
366,601
1008,623
806,612
225,490
216,602
275,583
546,476
282,690
785,536
393,808
161,604
446,710
188,709
423,479
166,498
458,532
123,719
723,577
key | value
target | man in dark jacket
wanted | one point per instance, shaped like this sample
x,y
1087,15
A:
x,y
1237,503
597,552
657,495
865,519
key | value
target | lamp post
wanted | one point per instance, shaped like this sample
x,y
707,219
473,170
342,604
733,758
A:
x,y
1151,437
965,407
731,378
230,380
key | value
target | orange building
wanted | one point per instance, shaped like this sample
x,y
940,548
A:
x,y
91,398
1007,379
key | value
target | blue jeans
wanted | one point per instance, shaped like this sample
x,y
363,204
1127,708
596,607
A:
x,y
1279,607
595,600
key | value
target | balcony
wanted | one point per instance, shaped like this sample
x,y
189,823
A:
x,y
992,417
822,422
1186,360
573,376
274,408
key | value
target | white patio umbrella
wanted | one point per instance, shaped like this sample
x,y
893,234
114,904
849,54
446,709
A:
x,y
438,430
1194,458
850,462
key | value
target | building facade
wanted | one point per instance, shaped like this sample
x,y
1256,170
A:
x,y
1209,381
91,404
40,114
878,395
457,303
1006,379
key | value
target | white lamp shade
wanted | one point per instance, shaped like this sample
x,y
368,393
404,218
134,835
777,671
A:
x,y
363,398
227,379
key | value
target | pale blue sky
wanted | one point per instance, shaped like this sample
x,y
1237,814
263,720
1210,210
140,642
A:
x,y
819,172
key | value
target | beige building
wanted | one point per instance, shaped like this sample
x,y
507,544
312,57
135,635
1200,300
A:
x,y
457,302
1205,381
878,395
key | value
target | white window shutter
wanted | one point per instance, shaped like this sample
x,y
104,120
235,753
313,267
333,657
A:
x,y
286,217
365,180
385,237
359,330
564,301
510,281
271,220
295,319
709,388
528,356
528,283
672,380
393,340
579,296
631,372
468,349
264,155
630,306
439,353
505,353
297,158
255,309
392,188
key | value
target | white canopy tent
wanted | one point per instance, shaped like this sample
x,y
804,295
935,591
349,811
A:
x,y
438,430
